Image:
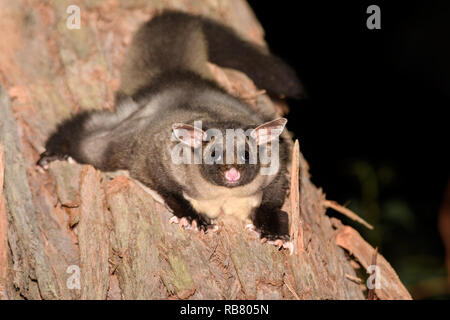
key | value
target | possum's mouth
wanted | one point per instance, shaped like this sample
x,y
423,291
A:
x,y
232,176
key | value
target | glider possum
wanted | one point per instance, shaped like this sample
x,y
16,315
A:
x,y
167,89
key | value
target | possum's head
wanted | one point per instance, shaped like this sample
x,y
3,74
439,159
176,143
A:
x,y
230,155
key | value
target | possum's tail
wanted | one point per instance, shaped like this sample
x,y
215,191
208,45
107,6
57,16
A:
x,y
179,41
268,71
64,142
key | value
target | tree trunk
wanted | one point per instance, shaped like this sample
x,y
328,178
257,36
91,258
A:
x,y
73,232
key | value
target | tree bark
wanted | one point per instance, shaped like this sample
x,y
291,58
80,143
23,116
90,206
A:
x,y
73,232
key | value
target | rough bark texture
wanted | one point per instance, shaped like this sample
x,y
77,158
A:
x,y
110,227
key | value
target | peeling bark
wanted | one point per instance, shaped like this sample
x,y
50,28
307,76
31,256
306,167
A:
x,y
390,286
116,231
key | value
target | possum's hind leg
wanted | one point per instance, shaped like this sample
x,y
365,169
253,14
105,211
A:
x,y
84,136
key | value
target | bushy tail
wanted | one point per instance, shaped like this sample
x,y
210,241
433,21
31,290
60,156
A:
x,y
64,142
179,41
268,71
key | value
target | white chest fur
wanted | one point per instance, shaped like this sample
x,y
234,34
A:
x,y
229,204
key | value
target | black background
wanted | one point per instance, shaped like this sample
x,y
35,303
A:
x,y
377,98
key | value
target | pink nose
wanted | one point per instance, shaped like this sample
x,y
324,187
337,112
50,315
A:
x,y
232,175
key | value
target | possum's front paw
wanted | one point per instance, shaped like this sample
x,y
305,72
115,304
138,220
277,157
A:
x,y
47,157
280,241
272,225
282,244
193,224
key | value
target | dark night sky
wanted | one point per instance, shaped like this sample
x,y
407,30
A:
x,y
374,95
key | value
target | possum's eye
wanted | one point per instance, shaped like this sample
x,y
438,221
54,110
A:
x,y
216,156
245,156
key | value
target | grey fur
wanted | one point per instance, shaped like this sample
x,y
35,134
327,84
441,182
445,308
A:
x,y
166,81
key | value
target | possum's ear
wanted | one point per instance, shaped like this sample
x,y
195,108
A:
x,y
268,131
189,135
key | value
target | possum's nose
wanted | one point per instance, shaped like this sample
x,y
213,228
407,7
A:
x,y
232,175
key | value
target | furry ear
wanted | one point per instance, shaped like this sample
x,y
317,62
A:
x,y
189,135
268,131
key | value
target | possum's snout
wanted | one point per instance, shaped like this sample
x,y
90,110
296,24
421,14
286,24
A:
x,y
232,175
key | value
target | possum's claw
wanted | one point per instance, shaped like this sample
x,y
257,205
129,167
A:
x,y
213,228
47,157
188,225
282,244
280,241
289,245
42,169
174,220
193,224
252,229
277,243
